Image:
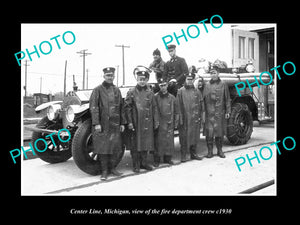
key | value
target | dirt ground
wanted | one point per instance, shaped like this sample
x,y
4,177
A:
x,y
214,176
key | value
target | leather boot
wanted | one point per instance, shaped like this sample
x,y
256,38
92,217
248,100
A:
x,y
104,167
193,153
210,144
156,159
113,166
219,143
135,162
183,153
168,159
183,157
144,163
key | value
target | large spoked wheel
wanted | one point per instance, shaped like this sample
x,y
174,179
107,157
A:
x,y
240,124
55,152
82,150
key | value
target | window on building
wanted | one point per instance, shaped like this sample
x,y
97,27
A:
x,y
270,46
251,48
241,47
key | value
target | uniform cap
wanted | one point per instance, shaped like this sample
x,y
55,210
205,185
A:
x,y
109,70
171,47
190,75
214,67
143,73
162,81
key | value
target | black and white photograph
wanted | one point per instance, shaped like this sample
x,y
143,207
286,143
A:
x,y
150,109
144,110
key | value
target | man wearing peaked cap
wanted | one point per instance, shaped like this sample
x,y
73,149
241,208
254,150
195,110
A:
x,y
142,118
168,120
108,119
217,110
175,70
191,107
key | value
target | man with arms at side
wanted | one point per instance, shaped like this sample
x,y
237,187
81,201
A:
x,y
142,117
108,119
217,110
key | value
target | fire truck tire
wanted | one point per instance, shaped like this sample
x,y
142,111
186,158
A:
x,y
82,150
55,153
240,124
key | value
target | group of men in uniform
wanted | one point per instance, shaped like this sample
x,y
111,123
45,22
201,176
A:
x,y
152,116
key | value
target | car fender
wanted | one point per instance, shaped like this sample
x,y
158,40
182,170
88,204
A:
x,y
80,108
46,105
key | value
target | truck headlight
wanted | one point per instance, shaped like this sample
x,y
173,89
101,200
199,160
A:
x,y
53,111
74,110
70,114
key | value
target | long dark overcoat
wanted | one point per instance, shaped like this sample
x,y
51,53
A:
x,y
107,109
141,111
167,108
217,104
190,103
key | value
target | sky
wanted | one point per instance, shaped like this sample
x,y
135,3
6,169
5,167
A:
x,y
47,72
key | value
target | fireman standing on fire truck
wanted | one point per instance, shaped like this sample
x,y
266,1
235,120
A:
x,y
175,71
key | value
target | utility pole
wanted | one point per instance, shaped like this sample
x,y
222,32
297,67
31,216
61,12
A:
x,y
65,77
26,77
123,46
74,84
117,75
87,78
41,84
83,53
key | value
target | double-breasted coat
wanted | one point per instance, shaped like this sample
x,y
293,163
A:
x,y
176,68
141,111
107,110
167,108
217,104
191,106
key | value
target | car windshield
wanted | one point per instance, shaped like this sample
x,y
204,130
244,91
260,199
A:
x,y
84,95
